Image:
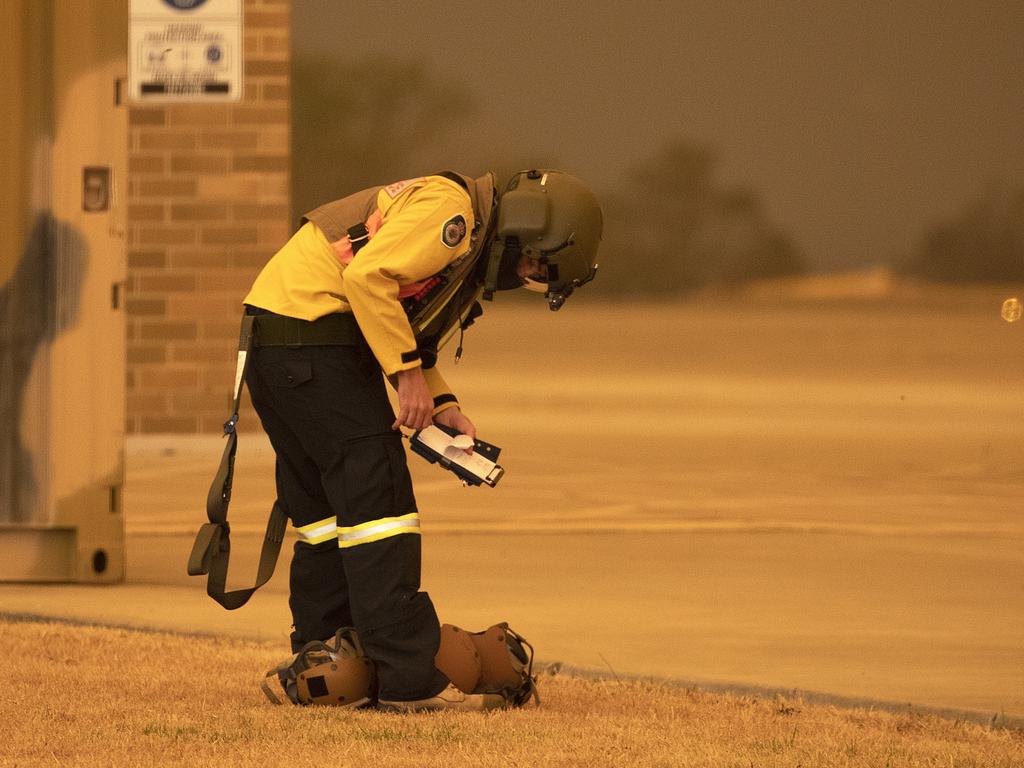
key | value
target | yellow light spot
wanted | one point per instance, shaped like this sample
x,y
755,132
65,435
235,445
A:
x,y
1012,310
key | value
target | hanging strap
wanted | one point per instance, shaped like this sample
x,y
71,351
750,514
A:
x,y
212,549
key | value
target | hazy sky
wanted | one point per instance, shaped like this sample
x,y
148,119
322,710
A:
x,y
858,123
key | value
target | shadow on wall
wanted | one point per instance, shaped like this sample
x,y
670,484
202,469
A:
x,y
37,304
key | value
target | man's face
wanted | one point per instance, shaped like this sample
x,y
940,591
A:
x,y
533,273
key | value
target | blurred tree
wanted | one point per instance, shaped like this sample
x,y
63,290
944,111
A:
x,y
985,243
672,228
360,123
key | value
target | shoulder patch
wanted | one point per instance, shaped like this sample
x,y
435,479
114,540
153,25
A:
x,y
395,189
453,231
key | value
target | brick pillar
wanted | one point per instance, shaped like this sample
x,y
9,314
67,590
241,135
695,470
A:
x,y
207,206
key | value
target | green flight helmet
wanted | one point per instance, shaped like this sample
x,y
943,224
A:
x,y
553,217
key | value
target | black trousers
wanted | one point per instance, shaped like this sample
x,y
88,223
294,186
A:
x,y
340,464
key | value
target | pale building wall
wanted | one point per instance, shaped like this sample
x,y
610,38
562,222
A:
x,y
207,206
62,262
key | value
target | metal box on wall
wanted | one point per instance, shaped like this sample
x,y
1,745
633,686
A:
x,y
62,262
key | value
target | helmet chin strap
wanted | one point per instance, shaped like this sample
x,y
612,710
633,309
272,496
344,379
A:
x,y
502,261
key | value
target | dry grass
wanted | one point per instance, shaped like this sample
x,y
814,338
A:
x,y
100,696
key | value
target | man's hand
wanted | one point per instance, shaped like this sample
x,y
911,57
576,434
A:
x,y
456,419
415,405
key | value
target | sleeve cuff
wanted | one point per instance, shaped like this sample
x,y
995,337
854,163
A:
x,y
445,406
444,402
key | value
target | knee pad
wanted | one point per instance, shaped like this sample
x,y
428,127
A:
x,y
458,659
497,660
337,675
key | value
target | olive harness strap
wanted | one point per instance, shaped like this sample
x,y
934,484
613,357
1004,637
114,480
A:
x,y
212,549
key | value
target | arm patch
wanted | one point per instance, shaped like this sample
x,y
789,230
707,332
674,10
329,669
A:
x,y
453,231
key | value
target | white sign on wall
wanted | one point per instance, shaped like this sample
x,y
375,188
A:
x,y
185,51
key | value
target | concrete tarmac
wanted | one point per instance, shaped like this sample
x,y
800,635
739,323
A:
x,y
780,496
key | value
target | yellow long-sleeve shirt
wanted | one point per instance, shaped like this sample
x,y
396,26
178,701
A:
x,y
425,226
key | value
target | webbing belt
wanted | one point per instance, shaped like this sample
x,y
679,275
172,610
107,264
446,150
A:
x,y
212,549
339,328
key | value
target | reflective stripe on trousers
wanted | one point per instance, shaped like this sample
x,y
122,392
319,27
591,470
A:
x,y
375,530
318,532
